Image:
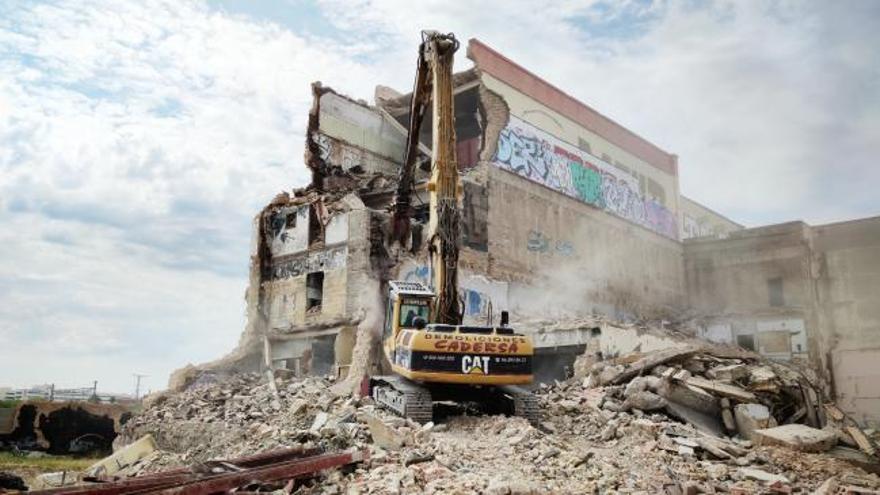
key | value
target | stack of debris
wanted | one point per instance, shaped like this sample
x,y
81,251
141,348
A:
x,y
232,416
725,391
618,437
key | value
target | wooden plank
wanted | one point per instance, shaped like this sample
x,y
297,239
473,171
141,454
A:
x,y
861,440
722,389
835,413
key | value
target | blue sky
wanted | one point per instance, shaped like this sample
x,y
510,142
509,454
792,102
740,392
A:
x,y
138,139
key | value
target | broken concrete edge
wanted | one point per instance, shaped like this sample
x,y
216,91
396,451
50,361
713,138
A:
x,y
123,457
706,404
796,437
383,435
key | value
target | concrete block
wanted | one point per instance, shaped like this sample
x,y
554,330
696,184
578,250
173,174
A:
x,y
729,373
707,423
320,420
797,437
751,417
757,474
123,457
691,397
644,401
384,435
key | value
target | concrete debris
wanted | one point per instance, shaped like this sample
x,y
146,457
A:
x,y
751,417
861,440
718,390
797,437
644,401
588,442
760,475
729,373
384,435
123,457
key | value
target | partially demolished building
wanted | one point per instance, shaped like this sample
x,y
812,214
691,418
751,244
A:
x,y
565,213
798,291
555,195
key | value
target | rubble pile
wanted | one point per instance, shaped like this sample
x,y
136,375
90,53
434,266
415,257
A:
x,y
592,438
238,415
718,390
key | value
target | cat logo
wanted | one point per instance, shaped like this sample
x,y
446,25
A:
x,y
475,364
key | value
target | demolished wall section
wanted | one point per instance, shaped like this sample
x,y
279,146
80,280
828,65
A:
x,y
792,290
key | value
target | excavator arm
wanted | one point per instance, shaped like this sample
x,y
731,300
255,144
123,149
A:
x,y
433,84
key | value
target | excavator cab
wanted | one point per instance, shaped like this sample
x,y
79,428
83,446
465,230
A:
x,y
410,306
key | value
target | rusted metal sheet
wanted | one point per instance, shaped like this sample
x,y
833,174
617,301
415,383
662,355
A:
x,y
274,466
275,472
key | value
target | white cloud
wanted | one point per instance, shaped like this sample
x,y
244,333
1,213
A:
x,y
139,140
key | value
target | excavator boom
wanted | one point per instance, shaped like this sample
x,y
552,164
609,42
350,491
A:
x,y
433,83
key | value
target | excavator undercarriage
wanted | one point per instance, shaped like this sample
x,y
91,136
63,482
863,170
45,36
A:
x,y
416,401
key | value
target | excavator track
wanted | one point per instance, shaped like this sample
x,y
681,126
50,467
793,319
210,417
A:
x,y
525,404
403,397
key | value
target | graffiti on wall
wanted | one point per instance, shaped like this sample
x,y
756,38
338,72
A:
x,y
538,156
539,242
288,230
691,227
417,274
320,261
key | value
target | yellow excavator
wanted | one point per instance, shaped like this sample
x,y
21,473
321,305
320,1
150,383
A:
x,y
433,356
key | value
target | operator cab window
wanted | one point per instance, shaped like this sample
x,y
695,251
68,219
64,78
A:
x,y
412,309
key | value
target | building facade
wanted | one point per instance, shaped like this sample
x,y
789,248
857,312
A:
x,y
798,291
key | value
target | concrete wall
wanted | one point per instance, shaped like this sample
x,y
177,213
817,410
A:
x,y
733,275
539,156
830,295
847,259
286,292
289,227
361,126
699,221
563,255
755,289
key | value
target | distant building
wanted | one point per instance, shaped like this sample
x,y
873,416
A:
x,y
49,392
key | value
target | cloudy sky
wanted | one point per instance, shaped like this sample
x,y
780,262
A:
x,y
137,140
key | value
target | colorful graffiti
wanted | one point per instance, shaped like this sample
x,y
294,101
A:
x,y
538,156
539,242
